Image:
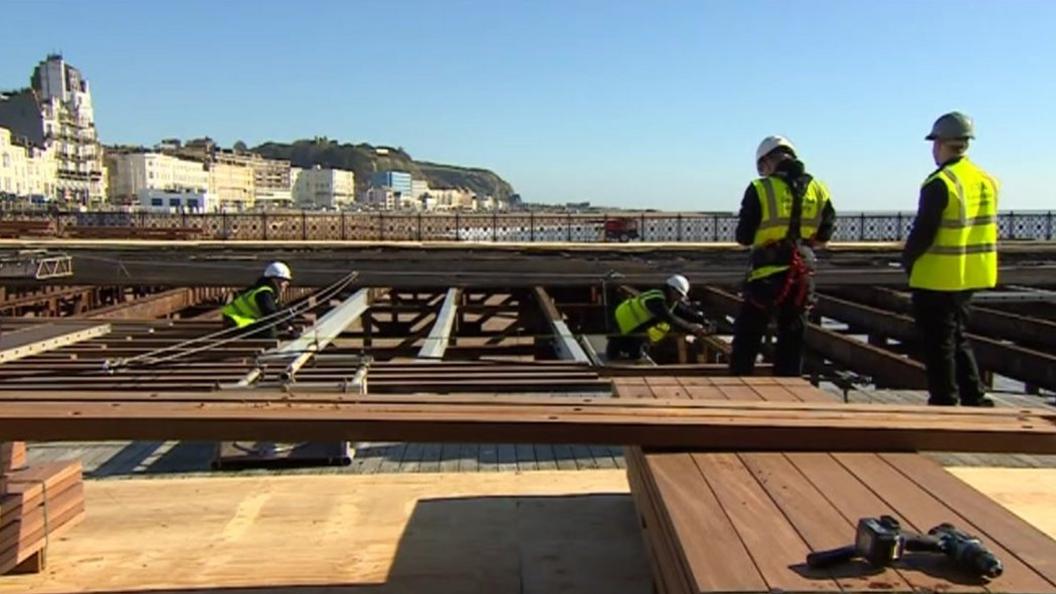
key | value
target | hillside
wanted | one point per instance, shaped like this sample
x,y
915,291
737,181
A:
x,y
365,159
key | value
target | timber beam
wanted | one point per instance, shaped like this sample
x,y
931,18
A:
x,y
775,426
886,368
1027,365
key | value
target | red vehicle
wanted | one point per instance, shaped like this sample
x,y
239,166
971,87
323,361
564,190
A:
x,y
620,229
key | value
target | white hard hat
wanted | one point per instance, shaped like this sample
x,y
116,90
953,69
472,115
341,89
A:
x,y
770,143
680,284
278,270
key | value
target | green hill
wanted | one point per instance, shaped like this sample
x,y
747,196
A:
x,y
365,159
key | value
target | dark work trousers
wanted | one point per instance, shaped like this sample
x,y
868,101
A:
x,y
942,317
626,347
756,311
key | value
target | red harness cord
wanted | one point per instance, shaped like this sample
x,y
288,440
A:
x,y
796,276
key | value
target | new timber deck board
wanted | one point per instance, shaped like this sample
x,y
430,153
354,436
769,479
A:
x,y
782,505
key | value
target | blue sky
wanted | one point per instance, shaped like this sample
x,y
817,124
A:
x,y
657,104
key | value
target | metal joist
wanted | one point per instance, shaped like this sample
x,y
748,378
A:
x,y
38,339
160,305
323,332
565,343
440,334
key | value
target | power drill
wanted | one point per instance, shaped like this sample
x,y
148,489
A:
x,y
966,551
877,540
881,542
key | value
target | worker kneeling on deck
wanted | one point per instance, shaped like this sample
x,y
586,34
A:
x,y
784,214
647,318
952,252
259,301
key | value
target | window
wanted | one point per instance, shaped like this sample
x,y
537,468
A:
x,y
157,202
7,160
192,203
174,202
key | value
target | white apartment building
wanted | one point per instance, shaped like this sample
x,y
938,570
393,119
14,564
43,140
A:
x,y
324,188
131,172
419,188
26,171
56,114
232,185
176,201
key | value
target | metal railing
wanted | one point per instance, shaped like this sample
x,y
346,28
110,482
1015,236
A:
x,y
493,227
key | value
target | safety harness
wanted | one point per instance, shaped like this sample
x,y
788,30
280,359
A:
x,y
798,270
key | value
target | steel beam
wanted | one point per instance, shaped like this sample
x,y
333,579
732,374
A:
x,y
1016,362
565,342
316,338
440,335
160,305
39,339
886,368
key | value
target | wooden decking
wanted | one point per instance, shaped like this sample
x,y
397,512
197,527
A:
x,y
744,522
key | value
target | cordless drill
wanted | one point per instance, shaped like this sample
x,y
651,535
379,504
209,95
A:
x,y
966,551
877,540
881,542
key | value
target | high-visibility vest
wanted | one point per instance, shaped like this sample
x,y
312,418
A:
x,y
633,316
243,310
964,253
775,202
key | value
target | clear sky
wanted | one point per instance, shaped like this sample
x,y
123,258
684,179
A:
x,y
645,104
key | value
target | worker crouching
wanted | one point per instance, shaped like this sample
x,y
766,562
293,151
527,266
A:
x,y
647,318
784,215
258,302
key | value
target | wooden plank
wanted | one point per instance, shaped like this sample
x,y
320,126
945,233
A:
x,y
710,546
668,574
852,499
469,457
801,426
776,548
449,457
815,520
544,457
925,511
1026,542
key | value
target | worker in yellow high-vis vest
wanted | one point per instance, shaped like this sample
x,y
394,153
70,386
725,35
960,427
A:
x,y
784,215
259,301
950,253
646,318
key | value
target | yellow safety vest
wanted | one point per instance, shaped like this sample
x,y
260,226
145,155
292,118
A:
x,y
775,201
633,315
243,310
964,253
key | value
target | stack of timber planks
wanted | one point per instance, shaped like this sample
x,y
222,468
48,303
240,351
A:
x,y
37,504
729,521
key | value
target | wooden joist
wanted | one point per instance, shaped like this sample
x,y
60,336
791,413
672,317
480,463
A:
x,y
793,426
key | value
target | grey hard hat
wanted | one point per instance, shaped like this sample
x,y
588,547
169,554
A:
x,y
952,126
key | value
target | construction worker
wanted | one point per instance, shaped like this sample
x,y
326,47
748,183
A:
x,y
259,300
784,214
951,252
647,318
